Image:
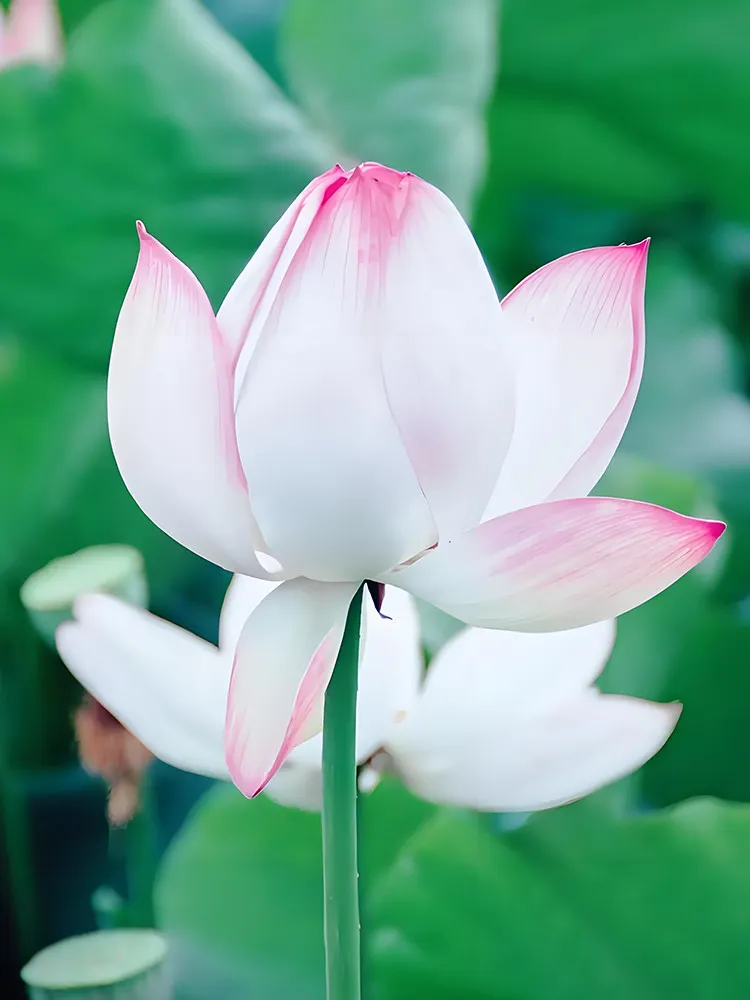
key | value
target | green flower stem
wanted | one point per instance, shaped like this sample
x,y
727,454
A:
x,y
141,836
341,890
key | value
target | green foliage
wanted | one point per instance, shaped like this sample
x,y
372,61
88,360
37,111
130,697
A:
x,y
629,101
552,127
574,904
250,913
420,105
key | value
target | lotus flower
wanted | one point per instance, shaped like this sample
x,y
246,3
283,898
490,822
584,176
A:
x,y
30,33
502,721
363,408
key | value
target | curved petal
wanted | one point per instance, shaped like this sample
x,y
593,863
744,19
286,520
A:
x,y
334,492
522,672
170,414
165,685
390,672
449,381
243,596
576,336
245,309
31,33
283,662
497,756
560,565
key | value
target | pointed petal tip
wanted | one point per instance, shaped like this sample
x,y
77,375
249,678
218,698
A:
x,y
251,785
715,529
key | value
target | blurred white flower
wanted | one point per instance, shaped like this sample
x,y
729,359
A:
x,y
502,721
30,33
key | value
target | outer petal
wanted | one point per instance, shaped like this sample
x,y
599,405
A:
x,y
560,565
576,337
507,722
31,33
284,660
165,685
390,673
170,413
448,377
333,488
246,307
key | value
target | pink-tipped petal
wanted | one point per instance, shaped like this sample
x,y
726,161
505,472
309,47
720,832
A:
x,y
171,414
508,721
333,490
32,33
448,377
245,309
560,565
390,672
575,331
284,660
165,685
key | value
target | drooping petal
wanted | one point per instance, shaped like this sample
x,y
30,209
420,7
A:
x,y
575,331
508,721
334,491
496,764
522,672
448,377
284,660
390,673
171,417
243,596
31,33
165,685
560,565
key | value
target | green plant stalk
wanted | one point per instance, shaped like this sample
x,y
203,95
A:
x,y
142,862
15,841
340,877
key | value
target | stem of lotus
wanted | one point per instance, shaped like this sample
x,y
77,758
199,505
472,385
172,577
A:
x,y
340,877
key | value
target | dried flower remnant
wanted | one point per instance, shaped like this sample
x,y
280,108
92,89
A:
x,y
107,749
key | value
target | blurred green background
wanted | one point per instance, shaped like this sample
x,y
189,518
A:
x,y
553,127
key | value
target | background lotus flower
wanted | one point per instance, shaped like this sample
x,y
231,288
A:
x,y
502,721
30,33
361,408
169,687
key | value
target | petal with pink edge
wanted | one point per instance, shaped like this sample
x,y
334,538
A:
x,y
165,685
333,487
171,417
560,565
284,659
245,309
576,335
31,33
390,672
448,377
